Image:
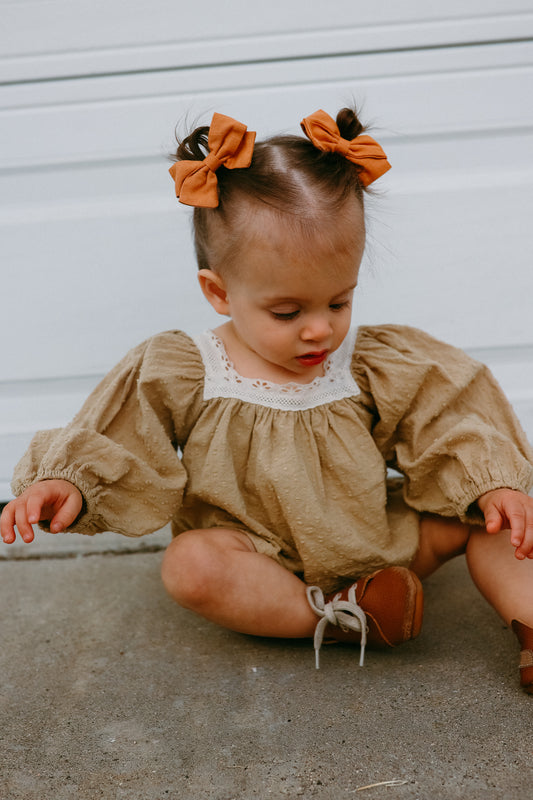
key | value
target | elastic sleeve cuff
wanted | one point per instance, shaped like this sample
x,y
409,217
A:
x,y
469,511
87,521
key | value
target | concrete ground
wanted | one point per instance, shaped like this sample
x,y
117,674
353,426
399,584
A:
x,y
109,690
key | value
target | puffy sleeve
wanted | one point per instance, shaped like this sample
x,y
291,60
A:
x,y
441,419
120,450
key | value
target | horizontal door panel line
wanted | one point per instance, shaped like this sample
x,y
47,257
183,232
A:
x,y
147,156
524,37
518,355
423,64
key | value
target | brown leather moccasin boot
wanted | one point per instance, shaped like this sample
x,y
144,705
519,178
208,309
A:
x,y
383,609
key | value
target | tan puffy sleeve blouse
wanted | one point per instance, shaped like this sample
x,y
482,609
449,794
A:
x,y
441,419
302,470
120,449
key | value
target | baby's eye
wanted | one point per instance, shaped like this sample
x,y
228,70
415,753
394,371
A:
x,y
339,306
285,314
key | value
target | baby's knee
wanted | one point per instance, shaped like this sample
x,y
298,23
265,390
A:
x,y
186,569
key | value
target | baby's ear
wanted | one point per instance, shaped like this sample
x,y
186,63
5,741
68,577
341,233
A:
x,y
214,289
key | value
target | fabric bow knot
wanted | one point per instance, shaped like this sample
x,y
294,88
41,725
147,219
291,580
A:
x,y
230,144
364,151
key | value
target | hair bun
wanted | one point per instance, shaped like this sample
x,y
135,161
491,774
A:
x,y
349,124
194,146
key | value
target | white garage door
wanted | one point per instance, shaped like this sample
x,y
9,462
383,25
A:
x,y
95,251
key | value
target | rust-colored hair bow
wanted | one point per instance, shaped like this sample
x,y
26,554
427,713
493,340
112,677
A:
x,y
230,144
364,151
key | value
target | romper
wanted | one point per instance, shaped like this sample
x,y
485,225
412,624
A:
x,y
174,434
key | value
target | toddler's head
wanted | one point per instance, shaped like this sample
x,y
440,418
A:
x,y
304,196
279,225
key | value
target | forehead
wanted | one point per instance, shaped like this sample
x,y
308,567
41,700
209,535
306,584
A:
x,y
298,285
293,251
275,274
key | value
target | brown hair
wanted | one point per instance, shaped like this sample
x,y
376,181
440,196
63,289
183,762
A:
x,y
304,187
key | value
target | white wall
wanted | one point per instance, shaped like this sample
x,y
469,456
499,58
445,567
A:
x,y
96,252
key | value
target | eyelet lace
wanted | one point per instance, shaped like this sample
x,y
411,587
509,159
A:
x,y
223,380
347,614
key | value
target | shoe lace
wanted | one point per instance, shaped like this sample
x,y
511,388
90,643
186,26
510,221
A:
x,y
347,614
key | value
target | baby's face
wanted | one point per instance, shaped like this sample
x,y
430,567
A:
x,y
290,302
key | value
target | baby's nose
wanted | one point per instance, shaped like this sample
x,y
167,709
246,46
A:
x,y
316,329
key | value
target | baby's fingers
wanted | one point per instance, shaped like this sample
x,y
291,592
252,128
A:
x,y
7,524
68,512
23,524
15,513
34,507
493,520
522,538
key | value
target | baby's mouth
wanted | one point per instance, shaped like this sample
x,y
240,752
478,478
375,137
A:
x,y
311,359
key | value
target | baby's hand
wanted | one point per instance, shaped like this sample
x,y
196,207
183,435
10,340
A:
x,y
56,500
507,508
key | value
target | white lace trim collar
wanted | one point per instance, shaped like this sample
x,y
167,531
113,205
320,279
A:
x,y
222,379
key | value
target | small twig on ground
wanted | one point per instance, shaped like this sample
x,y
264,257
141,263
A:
x,y
396,782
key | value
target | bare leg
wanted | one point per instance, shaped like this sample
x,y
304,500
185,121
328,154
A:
x,y
218,574
441,539
503,580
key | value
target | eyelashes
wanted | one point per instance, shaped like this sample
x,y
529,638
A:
x,y
285,316
288,315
